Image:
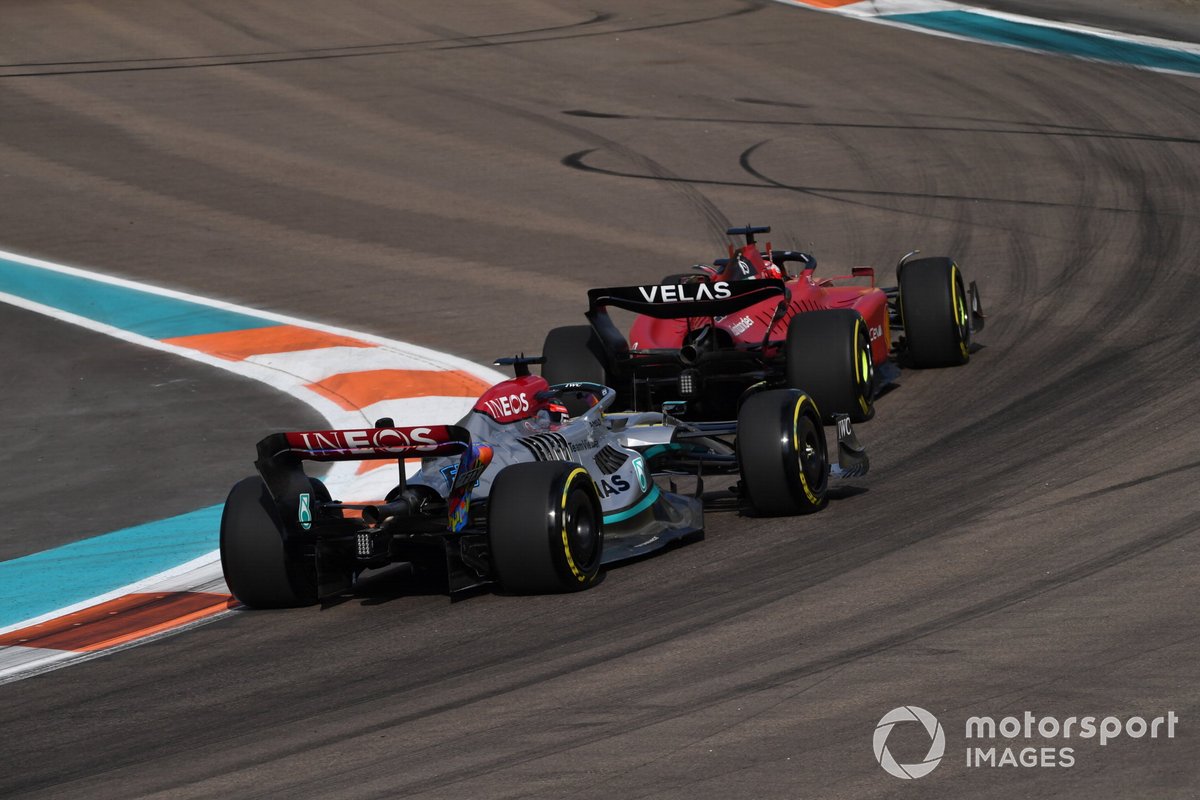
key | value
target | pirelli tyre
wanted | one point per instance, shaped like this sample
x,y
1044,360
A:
x,y
545,528
261,571
828,355
935,313
782,453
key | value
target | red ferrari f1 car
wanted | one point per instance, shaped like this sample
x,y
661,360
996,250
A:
x,y
708,336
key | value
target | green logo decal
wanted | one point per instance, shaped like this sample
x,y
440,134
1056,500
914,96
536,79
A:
x,y
305,510
639,468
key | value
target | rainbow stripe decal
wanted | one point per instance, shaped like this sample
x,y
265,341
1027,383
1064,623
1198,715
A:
x,y
118,589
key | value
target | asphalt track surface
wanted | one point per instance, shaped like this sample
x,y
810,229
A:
x,y
1027,539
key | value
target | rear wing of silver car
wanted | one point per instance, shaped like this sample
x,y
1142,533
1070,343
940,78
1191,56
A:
x,y
281,457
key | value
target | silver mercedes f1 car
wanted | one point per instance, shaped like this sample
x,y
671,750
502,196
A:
x,y
535,490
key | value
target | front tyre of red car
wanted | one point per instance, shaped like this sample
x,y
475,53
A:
x,y
261,571
782,453
545,528
828,355
935,313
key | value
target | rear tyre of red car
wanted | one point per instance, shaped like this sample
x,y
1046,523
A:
x,y
545,528
260,570
573,353
828,355
782,453
935,313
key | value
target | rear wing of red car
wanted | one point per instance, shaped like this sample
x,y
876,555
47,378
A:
x,y
679,300
674,301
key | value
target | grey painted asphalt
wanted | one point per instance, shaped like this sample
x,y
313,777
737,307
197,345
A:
x,y
1028,537
92,420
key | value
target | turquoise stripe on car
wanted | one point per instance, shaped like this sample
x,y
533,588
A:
x,y
659,449
634,510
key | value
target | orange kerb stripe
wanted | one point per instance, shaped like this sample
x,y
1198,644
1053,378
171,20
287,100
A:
x,y
240,345
827,3
355,390
118,621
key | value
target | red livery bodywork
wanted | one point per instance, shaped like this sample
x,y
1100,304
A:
x,y
514,399
707,339
748,327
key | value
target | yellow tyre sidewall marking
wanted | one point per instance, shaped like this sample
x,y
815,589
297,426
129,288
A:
x,y
579,576
860,367
857,364
812,498
959,310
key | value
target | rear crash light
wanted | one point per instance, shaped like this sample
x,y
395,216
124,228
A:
x,y
689,383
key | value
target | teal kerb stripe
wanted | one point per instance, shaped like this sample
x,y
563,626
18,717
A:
x,y
634,510
1053,40
43,582
133,310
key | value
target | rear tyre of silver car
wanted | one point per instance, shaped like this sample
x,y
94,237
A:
x,y
545,528
260,569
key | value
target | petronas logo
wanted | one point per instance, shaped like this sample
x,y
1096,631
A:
x,y
305,510
639,468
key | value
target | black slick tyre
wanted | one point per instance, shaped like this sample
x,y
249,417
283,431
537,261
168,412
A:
x,y
545,528
782,453
261,571
935,313
828,355
573,353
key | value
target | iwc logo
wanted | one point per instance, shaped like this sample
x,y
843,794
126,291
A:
x,y
937,746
